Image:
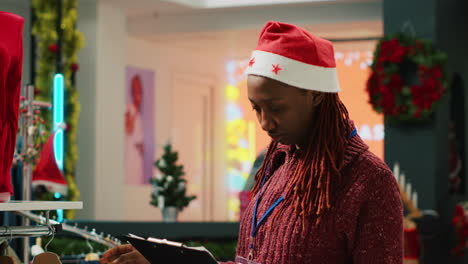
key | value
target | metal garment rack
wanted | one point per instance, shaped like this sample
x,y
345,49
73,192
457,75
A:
x,y
108,240
27,168
47,227
8,233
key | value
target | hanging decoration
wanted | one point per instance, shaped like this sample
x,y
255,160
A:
x,y
44,31
407,79
37,133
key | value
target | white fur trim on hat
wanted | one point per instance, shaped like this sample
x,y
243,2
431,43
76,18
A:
x,y
52,186
4,197
293,72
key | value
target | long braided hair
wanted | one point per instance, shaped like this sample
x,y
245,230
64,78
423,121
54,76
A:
x,y
317,172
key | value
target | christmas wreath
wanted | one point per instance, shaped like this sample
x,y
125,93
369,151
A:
x,y
407,78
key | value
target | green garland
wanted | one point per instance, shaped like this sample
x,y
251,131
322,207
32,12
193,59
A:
x,y
44,30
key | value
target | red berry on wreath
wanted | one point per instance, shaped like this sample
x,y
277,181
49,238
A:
x,y
417,113
74,67
396,83
436,72
53,48
419,45
380,69
434,96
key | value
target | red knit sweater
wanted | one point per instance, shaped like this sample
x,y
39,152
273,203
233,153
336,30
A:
x,y
364,225
11,61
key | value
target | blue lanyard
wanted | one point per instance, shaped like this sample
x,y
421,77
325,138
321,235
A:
x,y
255,225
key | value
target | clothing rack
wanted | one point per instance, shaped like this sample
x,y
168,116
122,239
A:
x,y
47,227
27,168
108,240
28,231
30,105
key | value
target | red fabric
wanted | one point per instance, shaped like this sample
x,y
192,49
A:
x,y
47,170
11,61
461,229
364,225
244,198
295,43
411,243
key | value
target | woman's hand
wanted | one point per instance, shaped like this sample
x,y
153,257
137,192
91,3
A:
x,y
124,254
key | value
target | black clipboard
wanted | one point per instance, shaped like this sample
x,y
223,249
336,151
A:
x,y
162,251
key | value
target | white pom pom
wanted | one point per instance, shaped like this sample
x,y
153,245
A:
x,y
32,130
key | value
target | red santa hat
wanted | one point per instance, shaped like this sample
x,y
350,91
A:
x,y
47,173
291,55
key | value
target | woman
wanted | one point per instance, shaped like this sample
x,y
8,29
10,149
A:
x,y
320,196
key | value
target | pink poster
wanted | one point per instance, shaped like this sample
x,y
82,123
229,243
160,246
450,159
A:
x,y
139,125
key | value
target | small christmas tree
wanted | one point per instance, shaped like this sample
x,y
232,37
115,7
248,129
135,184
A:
x,y
170,187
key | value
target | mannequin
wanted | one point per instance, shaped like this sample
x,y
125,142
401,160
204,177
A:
x,y
11,60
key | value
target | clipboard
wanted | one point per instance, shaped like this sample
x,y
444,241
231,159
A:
x,y
162,251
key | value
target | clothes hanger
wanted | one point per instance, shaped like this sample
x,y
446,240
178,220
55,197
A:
x,y
4,259
47,257
91,256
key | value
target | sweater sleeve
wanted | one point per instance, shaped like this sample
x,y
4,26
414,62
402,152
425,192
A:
x,y
379,225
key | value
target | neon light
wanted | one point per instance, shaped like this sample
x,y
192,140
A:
x,y
58,109
60,215
59,212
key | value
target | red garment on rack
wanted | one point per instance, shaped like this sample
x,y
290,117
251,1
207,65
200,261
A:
x,y
11,61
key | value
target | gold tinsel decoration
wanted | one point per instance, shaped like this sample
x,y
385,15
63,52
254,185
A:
x,y
44,31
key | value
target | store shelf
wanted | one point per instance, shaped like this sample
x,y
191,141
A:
x,y
39,205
